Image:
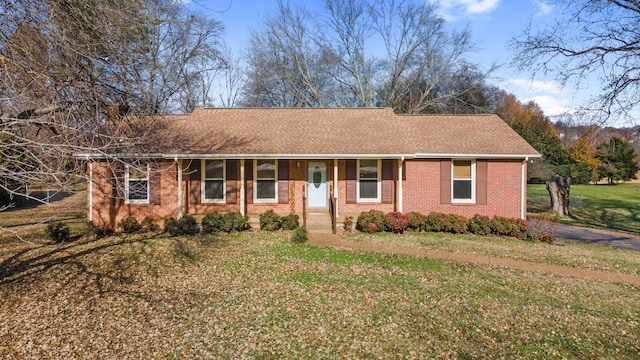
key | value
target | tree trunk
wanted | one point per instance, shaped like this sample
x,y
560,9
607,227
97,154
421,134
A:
x,y
558,188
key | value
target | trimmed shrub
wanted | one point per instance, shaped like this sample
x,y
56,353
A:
x,y
299,235
289,222
480,225
58,232
149,225
171,226
436,222
415,221
269,221
457,224
396,222
518,228
509,227
212,223
348,223
99,232
129,225
187,225
499,226
375,217
235,222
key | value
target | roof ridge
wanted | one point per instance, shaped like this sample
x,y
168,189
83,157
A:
x,y
291,108
461,115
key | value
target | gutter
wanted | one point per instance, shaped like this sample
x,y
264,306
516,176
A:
x,y
523,191
88,156
475,156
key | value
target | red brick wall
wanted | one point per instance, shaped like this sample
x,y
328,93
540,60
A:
x,y
421,190
109,207
421,193
344,208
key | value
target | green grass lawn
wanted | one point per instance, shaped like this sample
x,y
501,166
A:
x,y
614,207
256,295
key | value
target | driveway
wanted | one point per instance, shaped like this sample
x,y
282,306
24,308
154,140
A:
x,y
613,239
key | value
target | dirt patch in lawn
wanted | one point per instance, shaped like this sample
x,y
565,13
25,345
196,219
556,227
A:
x,y
337,242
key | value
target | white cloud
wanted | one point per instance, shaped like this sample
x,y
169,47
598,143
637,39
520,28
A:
x,y
451,9
544,8
547,94
536,86
551,105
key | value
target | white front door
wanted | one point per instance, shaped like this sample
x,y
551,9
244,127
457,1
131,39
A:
x,y
317,184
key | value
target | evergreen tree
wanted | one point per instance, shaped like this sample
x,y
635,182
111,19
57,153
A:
x,y
619,160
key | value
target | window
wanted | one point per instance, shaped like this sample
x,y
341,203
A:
x,y
369,180
463,179
137,184
266,182
213,184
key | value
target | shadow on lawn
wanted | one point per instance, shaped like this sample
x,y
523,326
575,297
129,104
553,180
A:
x,y
71,264
607,213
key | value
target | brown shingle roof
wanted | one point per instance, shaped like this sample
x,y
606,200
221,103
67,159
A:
x,y
484,134
336,132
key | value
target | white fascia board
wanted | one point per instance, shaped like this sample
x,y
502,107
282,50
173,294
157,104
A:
x,y
476,156
88,156
308,156
287,156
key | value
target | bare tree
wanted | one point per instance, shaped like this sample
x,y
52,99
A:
x,y
329,59
600,37
81,77
421,56
286,68
350,26
232,79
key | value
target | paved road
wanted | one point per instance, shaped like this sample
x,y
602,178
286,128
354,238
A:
x,y
617,240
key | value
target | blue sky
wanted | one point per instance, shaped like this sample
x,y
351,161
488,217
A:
x,y
492,24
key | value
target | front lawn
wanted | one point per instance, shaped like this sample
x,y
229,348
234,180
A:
x,y
614,207
256,295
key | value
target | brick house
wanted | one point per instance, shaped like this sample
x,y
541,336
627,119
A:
x,y
293,160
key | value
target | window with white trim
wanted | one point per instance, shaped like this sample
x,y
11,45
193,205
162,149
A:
x,y
213,181
368,180
266,180
463,180
136,184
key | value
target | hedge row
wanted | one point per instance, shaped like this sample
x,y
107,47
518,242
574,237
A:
x,y
373,221
187,225
271,221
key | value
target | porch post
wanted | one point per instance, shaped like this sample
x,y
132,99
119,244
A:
x,y
399,187
180,200
90,192
335,184
242,189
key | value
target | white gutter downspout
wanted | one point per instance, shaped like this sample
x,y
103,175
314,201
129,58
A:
x,y
180,200
91,192
399,188
335,184
523,211
242,189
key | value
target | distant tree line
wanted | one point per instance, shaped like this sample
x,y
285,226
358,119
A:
x,y
588,154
